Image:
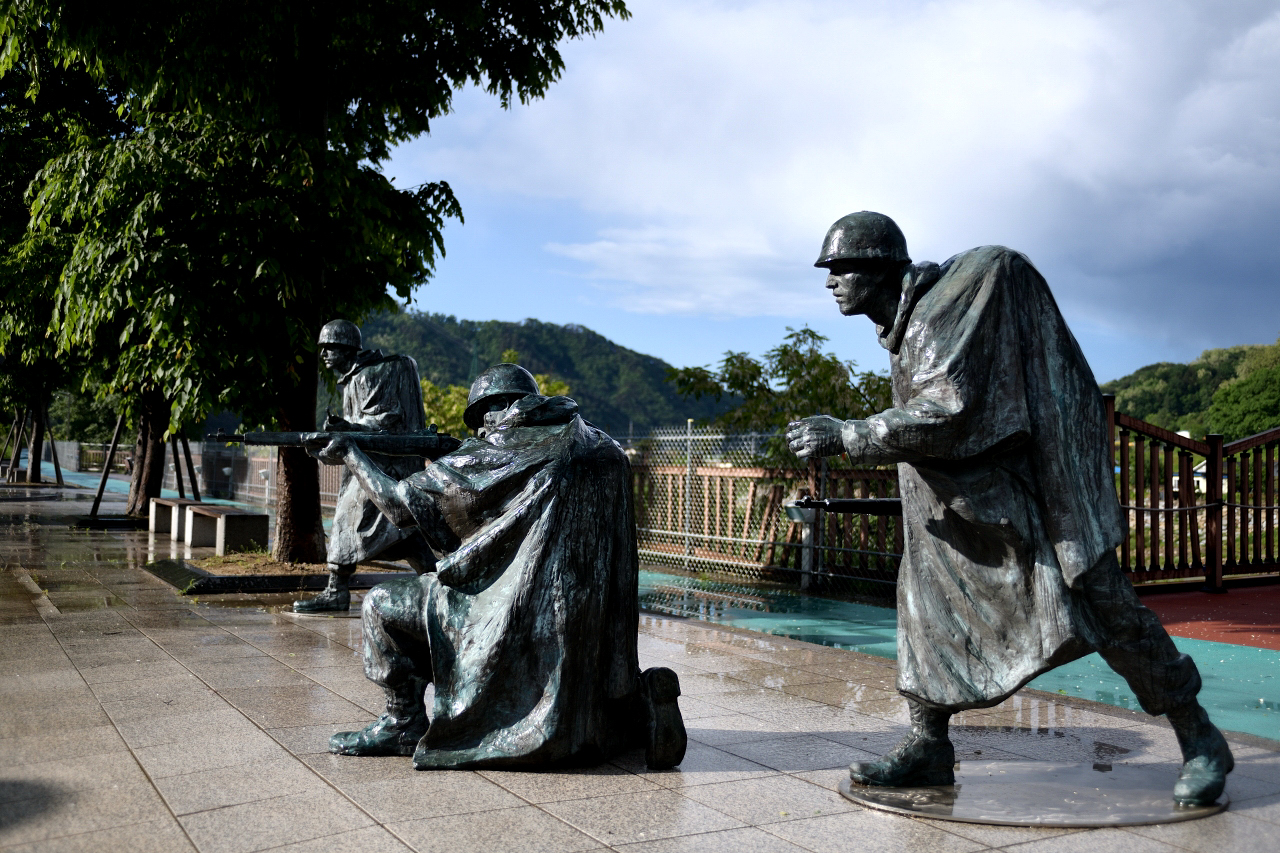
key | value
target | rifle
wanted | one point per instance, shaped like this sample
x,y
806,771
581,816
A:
x,y
427,442
861,506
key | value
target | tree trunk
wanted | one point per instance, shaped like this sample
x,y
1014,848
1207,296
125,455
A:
x,y
36,449
299,525
148,453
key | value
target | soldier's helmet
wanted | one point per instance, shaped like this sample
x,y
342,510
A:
x,y
340,333
501,380
863,236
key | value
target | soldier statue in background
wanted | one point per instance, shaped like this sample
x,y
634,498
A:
x,y
379,393
1008,499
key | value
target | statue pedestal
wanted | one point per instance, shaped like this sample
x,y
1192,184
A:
x,y
1042,793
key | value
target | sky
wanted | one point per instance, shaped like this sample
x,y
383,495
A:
x,y
673,188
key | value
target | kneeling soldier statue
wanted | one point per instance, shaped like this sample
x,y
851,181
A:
x,y
1002,445
527,629
379,393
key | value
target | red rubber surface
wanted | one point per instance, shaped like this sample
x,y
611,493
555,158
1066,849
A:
x,y
1248,616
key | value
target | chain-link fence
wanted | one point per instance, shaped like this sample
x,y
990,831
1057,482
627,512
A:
x,y
714,504
245,474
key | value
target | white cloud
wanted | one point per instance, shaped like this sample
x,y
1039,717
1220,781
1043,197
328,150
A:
x,y
1131,148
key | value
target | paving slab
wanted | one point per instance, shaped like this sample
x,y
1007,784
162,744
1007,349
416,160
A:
x,y
203,725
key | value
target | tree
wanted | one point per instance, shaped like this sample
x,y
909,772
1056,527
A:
x,y
794,380
45,110
250,207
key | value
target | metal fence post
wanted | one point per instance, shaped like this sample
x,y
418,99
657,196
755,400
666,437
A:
x,y
688,491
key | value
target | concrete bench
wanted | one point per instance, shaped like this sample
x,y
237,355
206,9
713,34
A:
x,y
168,515
225,528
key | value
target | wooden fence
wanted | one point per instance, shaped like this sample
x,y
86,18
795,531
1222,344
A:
x,y
1191,508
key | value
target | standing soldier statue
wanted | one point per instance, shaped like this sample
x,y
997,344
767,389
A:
x,y
1008,499
379,392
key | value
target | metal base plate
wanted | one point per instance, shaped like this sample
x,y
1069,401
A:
x,y
1042,793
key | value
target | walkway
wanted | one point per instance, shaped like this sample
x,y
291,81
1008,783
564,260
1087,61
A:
x,y
137,719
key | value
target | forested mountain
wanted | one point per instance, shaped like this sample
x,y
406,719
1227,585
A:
x,y
1228,391
617,389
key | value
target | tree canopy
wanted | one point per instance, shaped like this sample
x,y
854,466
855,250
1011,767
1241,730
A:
x,y
793,380
246,206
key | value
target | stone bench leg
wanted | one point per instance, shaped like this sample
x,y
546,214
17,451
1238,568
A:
x,y
241,533
202,530
177,524
161,519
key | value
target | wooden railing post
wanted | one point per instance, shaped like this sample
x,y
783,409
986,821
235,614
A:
x,y
1213,515
1109,403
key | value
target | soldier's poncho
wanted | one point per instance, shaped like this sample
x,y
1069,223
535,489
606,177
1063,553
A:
x,y
1008,499
379,392
532,615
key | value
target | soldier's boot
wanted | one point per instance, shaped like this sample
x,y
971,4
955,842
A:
x,y
396,732
665,737
924,757
1206,757
335,596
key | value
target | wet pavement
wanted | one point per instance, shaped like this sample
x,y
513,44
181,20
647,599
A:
x,y
133,718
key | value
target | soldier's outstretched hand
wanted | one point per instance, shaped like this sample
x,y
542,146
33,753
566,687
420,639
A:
x,y
335,452
819,435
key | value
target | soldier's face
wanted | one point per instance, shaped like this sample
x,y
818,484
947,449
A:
x,y
337,358
858,289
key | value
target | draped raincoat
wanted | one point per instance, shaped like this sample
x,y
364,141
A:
x,y
532,616
1001,440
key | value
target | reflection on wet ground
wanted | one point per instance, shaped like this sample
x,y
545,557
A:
x,y
137,718
1241,683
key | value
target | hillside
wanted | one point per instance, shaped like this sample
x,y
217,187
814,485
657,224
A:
x,y
1182,396
617,389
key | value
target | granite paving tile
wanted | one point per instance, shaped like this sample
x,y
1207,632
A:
x,y
163,835
70,774
782,678
225,722
433,793
1227,831
199,753
55,812
798,753
745,840
132,671
300,705
576,784
261,671
702,765
271,823
731,728
370,839
164,703
60,743
19,721
236,784
769,799
642,816
870,832
759,699
1092,841
524,829
304,740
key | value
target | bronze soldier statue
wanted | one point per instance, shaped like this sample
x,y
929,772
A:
x,y
528,627
1009,504
379,393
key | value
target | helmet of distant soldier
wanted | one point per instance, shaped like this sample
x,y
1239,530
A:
x,y
501,380
864,236
340,333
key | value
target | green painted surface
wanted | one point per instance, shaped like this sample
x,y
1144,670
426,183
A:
x,y
1241,684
